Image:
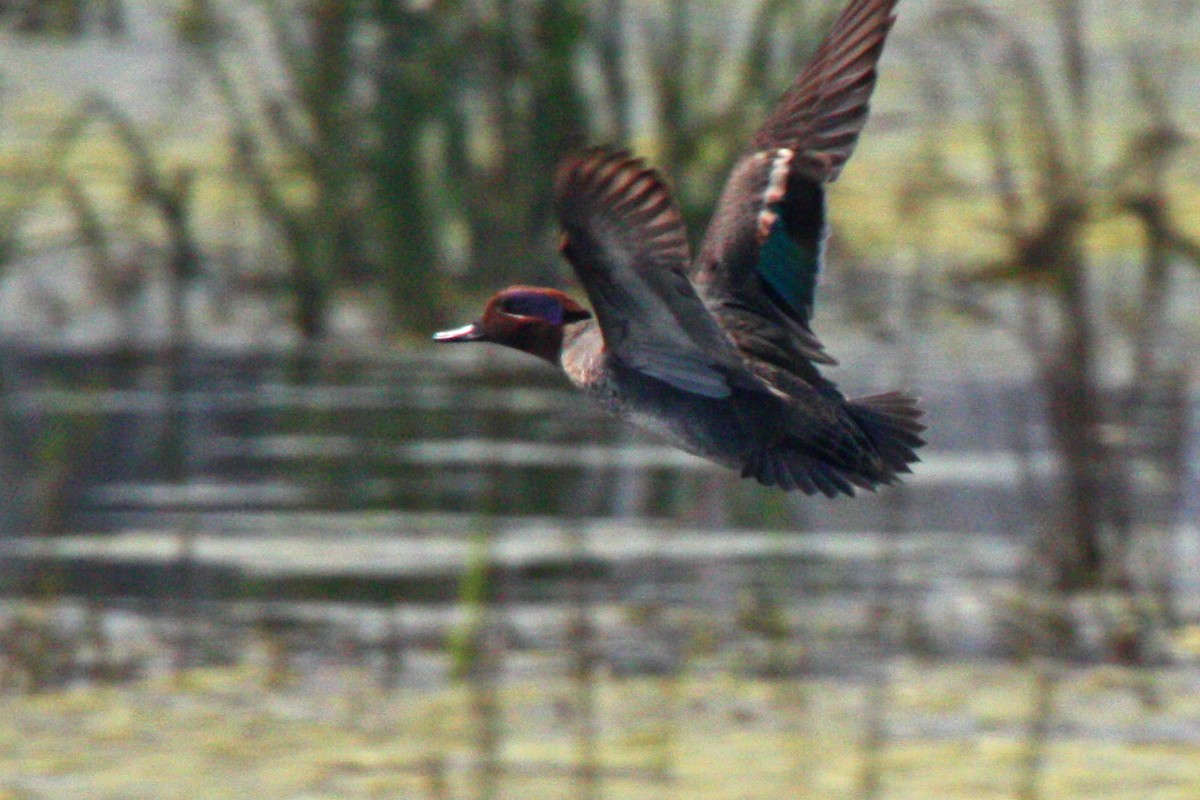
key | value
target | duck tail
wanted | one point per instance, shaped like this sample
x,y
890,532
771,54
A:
x,y
891,422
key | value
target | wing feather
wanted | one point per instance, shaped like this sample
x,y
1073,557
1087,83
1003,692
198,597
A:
x,y
625,238
822,114
758,265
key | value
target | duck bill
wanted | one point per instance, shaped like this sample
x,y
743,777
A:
x,y
467,333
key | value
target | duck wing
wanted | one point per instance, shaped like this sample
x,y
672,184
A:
x,y
758,264
623,234
822,113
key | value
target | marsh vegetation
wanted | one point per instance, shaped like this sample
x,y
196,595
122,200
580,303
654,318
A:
x,y
259,541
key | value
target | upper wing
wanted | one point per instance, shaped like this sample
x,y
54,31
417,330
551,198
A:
x,y
758,265
625,238
820,116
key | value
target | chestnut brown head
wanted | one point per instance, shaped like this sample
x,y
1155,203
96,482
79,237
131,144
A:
x,y
523,317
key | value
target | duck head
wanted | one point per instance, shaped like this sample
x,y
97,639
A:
x,y
523,317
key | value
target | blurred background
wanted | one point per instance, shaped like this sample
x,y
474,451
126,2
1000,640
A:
x,y
259,538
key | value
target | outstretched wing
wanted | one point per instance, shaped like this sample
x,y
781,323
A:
x,y
821,115
625,238
759,261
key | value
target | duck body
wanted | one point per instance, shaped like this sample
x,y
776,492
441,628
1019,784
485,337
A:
x,y
716,354
805,439
724,430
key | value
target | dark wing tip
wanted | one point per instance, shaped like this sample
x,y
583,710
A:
x,y
584,166
603,185
824,111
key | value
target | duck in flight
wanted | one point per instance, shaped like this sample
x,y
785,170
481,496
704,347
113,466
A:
x,y
716,353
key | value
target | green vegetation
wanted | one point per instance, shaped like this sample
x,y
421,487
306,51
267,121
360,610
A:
x,y
958,732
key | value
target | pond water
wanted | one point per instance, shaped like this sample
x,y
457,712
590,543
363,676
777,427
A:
x,y
343,493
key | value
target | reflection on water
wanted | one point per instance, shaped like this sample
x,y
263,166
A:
x,y
461,556
366,480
